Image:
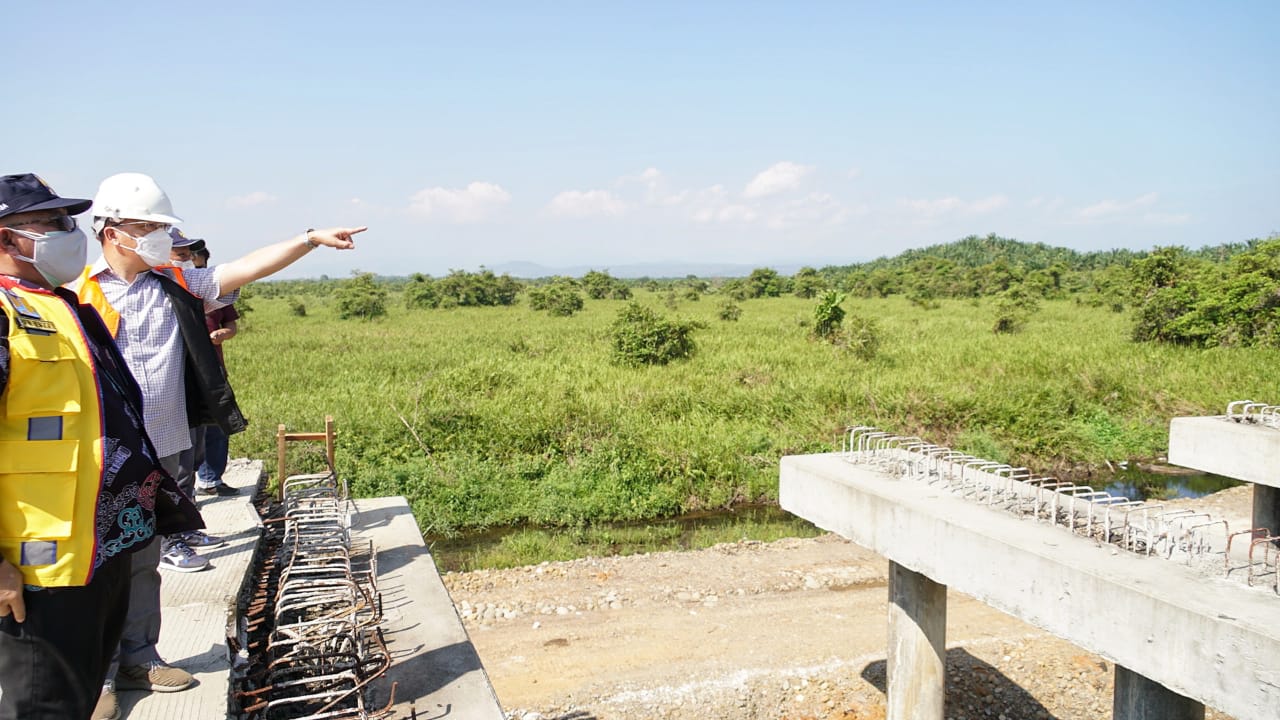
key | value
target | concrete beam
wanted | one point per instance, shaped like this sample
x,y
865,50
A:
x,y
1241,451
1209,639
1137,698
916,663
1266,508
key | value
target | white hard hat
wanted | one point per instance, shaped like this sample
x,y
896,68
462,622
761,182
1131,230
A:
x,y
133,196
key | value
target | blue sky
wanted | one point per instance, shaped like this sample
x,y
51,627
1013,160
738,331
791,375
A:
x,y
605,134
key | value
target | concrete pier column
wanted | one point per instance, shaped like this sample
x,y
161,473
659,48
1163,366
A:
x,y
916,667
1266,508
1138,698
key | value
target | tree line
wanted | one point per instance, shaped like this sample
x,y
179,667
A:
x,y
1221,295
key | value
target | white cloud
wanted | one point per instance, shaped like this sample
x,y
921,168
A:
x,y
577,204
735,213
654,183
932,209
1114,209
474,203
988,204
253,199
853,173
1166,218
1041,202
781,177
813,209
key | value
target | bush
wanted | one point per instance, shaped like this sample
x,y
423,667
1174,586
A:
x,y
730,311
361,297
807,283
862,337
560,298
421,292
642,337
1013,308
600,285
464,289
297,308
828,315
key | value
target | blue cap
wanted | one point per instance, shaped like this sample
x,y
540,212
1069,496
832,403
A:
x,y
28,193
180,240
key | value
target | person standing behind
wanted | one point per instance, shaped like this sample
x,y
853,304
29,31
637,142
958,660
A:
x,y
81,487
157,319
208,442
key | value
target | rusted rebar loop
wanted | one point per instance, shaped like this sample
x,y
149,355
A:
x,y
311,615
1138,526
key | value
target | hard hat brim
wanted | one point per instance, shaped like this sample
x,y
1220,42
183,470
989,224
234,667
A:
x,y
147,217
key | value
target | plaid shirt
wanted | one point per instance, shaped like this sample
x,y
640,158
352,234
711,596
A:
x,y
152,346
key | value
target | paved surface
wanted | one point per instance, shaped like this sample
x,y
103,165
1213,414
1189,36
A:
x,y
437,670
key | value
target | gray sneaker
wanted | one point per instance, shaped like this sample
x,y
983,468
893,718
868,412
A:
x,y
200,538
180,558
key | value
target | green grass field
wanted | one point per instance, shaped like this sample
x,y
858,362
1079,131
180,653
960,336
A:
x,y
488,417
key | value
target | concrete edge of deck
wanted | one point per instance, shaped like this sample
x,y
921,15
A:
x,y
1241,451
1213,640
436,669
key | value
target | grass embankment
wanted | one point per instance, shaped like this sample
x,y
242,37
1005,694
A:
x,y
488,417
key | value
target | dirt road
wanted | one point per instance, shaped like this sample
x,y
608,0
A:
x,y
794,630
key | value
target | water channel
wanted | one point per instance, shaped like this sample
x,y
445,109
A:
x,y
682,532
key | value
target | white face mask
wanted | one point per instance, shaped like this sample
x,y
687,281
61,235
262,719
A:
x,y
153,247
184,264
59,255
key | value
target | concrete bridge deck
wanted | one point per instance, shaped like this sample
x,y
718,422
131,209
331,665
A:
x,y
1214,640
437,670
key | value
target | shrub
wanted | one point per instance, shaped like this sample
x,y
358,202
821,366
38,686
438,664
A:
x,y
642,337
421,292
730,311
297,308
361,297
466,289
807,283
828,315
560,298
862,337
765,282
1013,308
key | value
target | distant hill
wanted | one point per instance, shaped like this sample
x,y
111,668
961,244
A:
x,y
974,251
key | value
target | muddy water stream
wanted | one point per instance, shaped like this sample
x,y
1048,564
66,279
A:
x,y
678,533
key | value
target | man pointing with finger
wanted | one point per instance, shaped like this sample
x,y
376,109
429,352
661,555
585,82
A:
x,y
156,313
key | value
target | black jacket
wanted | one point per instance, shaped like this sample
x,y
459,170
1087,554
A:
x,y
210,400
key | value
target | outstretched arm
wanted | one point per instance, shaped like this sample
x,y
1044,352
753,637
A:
x,y
273,258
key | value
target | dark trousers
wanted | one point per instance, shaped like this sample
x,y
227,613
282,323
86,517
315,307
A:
x,y
53,664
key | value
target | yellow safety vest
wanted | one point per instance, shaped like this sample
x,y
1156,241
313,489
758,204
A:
x,y
51,446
